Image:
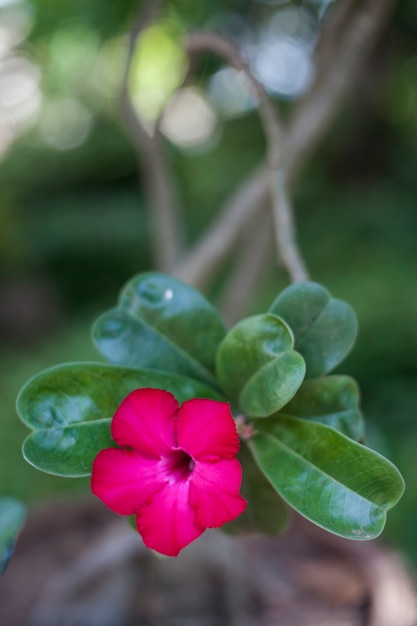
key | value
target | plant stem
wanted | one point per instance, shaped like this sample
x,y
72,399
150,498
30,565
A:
x,y
357,31
165,224
285,232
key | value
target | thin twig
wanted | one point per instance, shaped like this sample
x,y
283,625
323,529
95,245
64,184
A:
x,y
288,250
203,41
254,255
204,260
306,130
164,213
285,233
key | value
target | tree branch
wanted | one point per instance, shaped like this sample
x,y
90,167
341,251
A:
x,y
288,250
316,111
308,125
208,255
164,214
253,257
285,232
212,42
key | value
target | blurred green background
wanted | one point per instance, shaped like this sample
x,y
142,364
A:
x,y
73,222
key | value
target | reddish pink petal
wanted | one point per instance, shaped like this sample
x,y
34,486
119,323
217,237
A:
x,y
167,524
145,421
206,430
124,480
214,492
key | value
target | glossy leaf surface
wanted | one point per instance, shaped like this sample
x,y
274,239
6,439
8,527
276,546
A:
x,y
331,400
70,408
324,328
257,366
331,480
265,511
12,517
161,323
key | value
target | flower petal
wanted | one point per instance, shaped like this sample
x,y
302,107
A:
x,y
214,492
145,421
167,523
124,480
206,430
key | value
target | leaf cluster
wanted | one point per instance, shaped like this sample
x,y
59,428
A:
x,y
302,429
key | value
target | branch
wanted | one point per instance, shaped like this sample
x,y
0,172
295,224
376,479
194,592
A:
x,y
333,27
288,250
208,255
212,42
164,214
284,224
316,111
253,257
308,125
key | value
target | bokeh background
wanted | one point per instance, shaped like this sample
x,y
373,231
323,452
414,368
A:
x,y
73,214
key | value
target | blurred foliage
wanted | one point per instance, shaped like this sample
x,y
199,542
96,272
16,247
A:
x,y
75,216
17,478
106,17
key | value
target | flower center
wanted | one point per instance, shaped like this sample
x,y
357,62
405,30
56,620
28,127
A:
x,y
177,465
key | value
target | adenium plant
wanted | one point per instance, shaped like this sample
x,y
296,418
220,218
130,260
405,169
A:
x,y
157,425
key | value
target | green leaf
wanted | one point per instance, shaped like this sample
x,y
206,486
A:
x,y
69,450
331,480
257,366
265,511
324,328
70,408
161,323
331,400
12,517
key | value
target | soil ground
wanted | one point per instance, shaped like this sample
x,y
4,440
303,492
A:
x,y
76,564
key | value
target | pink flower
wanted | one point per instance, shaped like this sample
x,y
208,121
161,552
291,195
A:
x,y
175,469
